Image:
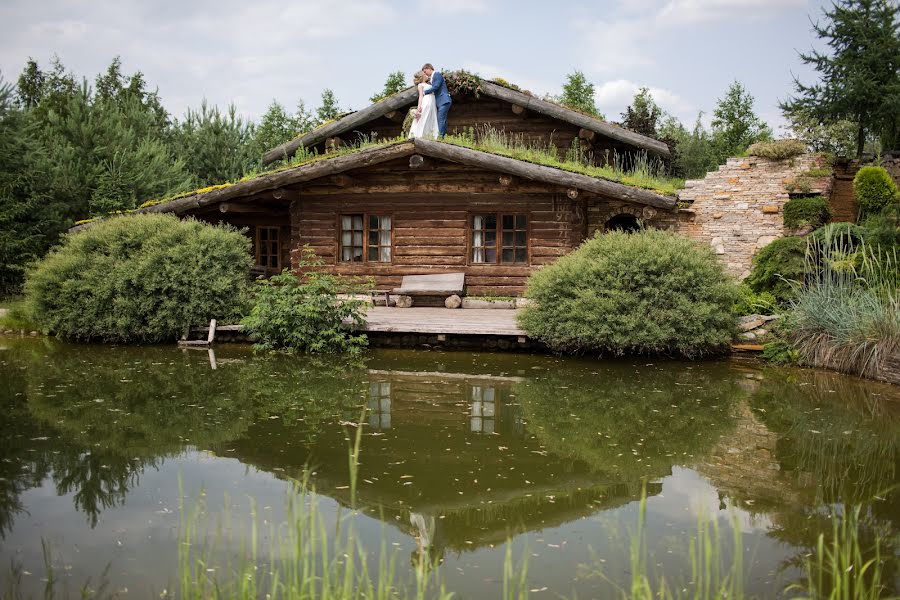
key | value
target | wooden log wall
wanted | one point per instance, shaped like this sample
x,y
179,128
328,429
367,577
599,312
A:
x,y
467,113
431,210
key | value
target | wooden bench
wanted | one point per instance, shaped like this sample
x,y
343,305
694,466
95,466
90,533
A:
x,y
442,285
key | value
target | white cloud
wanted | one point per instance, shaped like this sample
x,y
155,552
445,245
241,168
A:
x,y
222,50
525,82
620,42
613,96
453,7
679,12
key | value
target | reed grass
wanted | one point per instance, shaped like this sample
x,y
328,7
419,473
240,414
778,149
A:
x,y
843,567
846,315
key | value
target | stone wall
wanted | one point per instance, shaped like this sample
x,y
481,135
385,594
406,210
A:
x,y
738,209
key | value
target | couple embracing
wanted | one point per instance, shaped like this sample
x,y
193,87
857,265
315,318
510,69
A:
x,y
434,104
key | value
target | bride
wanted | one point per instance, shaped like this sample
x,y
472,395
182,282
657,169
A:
x,y
425,123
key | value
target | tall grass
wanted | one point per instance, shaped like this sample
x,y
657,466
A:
x,y
846,315
302,561
639,170
843,567
712,576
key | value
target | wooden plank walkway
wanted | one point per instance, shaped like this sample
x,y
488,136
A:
x,y
465,321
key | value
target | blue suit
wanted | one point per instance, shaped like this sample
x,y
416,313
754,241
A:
x,y
442,100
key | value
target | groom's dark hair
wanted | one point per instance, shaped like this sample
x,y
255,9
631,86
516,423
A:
x,y
427,66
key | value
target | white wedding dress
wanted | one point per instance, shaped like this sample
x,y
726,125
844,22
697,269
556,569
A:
x,y
426,126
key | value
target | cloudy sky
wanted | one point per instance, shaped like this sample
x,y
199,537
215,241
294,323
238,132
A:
x,y
249,53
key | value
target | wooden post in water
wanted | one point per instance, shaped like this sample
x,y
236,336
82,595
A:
x,y
212,332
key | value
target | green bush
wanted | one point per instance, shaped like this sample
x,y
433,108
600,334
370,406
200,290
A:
x,y
304,314
777,149
809,210
780,352
753,303
140,278
778,266
650,292
874,189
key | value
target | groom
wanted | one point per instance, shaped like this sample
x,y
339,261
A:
x,y
442,98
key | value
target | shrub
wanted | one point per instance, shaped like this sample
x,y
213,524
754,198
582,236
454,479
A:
x,y
304,314
140,278
874,189
778,267
810,210
780,352
777,149
753,303
649,292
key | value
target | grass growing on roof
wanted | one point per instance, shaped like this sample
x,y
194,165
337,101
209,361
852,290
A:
x,y
643,171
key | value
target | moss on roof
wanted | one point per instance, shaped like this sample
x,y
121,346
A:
x,y
488,141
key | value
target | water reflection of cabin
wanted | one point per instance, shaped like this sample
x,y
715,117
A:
x,y
430,436
431,207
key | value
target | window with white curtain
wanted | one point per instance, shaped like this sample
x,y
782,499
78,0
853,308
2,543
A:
x,y
366,238
499,239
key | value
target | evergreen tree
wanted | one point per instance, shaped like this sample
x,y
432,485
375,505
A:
x,y
643,115
214,145
396,82
328,110
578,93
28,221
31,85
735,126
46,92
859,79
278,126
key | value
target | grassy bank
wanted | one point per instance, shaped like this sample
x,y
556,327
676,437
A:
x,y
15,316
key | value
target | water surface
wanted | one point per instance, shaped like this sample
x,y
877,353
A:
x,y
459,453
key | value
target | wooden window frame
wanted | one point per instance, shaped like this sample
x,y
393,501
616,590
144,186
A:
x,y
365,247
258,245
470,231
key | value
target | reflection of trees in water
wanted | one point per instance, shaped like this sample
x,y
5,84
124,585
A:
x,y
834,431
839,437
96,417
628,420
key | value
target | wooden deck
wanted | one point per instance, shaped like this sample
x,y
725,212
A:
x,y
460,321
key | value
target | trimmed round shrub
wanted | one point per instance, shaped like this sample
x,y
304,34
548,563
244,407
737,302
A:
x,y
874,189
140,278
809,210
777,265
650,292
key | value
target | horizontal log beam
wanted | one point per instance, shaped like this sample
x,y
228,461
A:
x,y
301,174
391,103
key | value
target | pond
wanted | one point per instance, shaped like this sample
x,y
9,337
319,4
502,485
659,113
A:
x,y
107,452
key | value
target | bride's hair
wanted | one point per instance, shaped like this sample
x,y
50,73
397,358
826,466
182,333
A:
x,y
419,77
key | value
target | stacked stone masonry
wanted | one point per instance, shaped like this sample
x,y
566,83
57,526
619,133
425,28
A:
x,y
739,208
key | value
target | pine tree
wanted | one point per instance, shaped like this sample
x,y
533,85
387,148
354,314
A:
x,y
214,145
643,114
396,82
735,126
859,79
578,93
328,110
278,126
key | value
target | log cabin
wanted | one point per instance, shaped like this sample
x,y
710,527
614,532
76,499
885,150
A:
x,y
395,207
